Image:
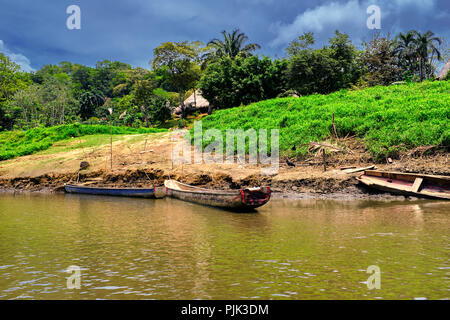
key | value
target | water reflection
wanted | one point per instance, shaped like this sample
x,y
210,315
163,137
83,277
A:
x,y
169,249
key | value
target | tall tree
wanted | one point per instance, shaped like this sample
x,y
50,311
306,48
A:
x,y
143,95
45,104
323,70
233,44
304,42
381,62
405,50
11,81
228,83
25,104
425,45
89,101
56,100
180,59
347,57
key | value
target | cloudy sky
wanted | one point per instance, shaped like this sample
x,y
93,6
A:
x,y
34,33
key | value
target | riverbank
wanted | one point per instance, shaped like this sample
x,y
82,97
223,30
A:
x,y
397,128
140,160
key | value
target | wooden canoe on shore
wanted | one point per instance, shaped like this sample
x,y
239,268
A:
x,y
122,192
247,198
409,184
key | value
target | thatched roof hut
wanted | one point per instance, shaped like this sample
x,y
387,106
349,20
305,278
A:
x,y
444,71
195,102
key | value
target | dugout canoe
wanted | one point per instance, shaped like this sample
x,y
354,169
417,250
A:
x,y
104,191
408,184
243,199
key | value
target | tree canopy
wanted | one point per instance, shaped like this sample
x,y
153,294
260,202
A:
x,y
226,70
232,45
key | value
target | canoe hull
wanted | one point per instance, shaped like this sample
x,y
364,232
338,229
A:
x,y
425,186
243,199
118,192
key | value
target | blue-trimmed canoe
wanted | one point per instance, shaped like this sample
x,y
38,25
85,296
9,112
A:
x,y
121,192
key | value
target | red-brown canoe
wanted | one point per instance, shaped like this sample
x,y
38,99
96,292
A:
x,y
409,184
247,198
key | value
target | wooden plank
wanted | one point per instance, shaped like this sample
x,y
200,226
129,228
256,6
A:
x,y
417,184
393,186
409,190
358,169
88,182
392,174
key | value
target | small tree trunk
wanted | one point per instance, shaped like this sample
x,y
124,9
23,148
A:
x,y
145,112
195,98
110,135
63,114
431,62
25,116
52,121
421,69
210,107
181,105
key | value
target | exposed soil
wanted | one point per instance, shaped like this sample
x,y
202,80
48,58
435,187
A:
x,y
144,160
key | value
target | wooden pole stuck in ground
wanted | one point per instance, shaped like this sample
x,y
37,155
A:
x,y
110,131
324,160
111,144
334,127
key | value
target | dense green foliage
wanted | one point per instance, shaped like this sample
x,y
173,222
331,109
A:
x,y
232,79
12,80
181,60
226,71
382,63
68,93
18,143
232,45
386,119
324,70
232,82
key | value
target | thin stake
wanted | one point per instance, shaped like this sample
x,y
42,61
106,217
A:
x,y
324,160
334,127
171,157
421,91
111,142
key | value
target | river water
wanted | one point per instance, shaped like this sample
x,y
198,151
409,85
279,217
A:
x,y
168,249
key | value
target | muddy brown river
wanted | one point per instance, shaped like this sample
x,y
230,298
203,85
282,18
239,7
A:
x,y
167,249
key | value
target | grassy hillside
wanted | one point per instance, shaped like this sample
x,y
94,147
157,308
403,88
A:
x,y
18,143
387,119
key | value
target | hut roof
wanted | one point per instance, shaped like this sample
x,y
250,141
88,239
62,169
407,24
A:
x,y
444,71
201,102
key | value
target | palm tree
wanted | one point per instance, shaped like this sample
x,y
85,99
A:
x,y
405,48
232,45
425,44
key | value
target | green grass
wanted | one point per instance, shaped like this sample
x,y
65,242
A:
x,y
84,142
19,143
388,120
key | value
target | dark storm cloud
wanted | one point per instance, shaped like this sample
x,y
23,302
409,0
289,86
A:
x,y
35,31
